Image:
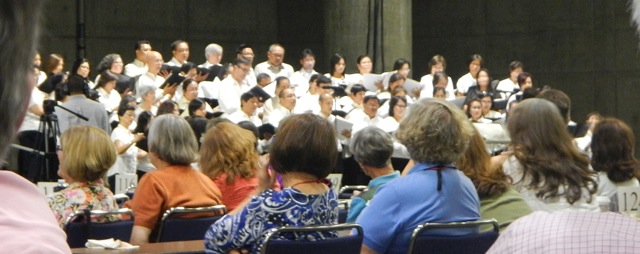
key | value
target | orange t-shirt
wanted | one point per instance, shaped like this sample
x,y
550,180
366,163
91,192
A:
x,y
169,187
234,193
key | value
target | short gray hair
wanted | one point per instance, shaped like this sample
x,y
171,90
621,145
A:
x,y
172,140
372,147
212,48
144,89
435,131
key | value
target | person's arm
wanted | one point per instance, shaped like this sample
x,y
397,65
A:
x,y
357,204
367,250
122,147
140,235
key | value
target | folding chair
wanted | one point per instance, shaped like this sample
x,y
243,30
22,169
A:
x,y
79,229
342,244
173,228
347,191
475,242
343,210
121,199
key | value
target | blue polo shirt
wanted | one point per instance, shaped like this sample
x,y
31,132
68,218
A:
x,y
406,202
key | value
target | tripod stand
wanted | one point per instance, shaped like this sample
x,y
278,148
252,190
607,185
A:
x,y
49,131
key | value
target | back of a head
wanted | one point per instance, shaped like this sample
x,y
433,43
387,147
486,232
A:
x,y
20,29
560,99
76,84
435,131
230,149
172,140
88,152
545,150
475,163
372,147
613,148
194,105
304,143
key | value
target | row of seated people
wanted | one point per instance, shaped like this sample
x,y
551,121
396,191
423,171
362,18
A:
x,y
372,149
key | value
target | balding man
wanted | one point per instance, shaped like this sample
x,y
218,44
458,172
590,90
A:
x,y
139,65
151,78
274,66
213,54
287,101
180,52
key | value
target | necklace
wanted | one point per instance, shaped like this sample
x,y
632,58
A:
x,y
323,181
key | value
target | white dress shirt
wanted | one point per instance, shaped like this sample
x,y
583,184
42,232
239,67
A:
x,y
229,94
284,70
135,68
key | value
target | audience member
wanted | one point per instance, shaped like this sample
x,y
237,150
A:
x,y
80,104
172,148
498,199
25,227
546,166
436,134
230,159
613,148
372,149
303,154
83,165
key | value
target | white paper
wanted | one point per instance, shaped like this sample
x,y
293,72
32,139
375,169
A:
x,y
341,125
369,81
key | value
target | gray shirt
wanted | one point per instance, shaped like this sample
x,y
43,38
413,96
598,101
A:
x,y
82,105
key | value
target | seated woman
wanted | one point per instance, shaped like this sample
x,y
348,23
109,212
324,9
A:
x,y
498,199
396,80
474,112
230,159
436,134
372,149
613,148
303,153
83,165
172,149
546,167
487,112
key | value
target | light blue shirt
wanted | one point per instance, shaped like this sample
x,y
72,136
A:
x,y
358,203
406,202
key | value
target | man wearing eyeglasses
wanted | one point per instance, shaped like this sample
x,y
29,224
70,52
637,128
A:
x,y
232,87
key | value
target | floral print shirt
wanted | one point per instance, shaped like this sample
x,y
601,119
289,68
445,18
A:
x,y
271,209
80,196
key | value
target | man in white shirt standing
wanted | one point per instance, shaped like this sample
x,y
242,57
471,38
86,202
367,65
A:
x,y
300,79
287,103
139,65
232,87
247,112
274,65
180,52
213,54
245,52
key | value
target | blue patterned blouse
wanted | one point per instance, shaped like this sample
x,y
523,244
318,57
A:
x,y
271,209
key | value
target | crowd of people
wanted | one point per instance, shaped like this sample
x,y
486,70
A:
x,y
262,140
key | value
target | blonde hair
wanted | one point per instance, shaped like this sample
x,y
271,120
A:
x,y
435,131
228,148
88,153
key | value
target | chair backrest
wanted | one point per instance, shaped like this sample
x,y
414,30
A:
x,y
78,232
343,244
347,191
476,242
343,210
173,227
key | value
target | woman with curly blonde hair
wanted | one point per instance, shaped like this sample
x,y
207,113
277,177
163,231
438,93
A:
x,y
229,157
